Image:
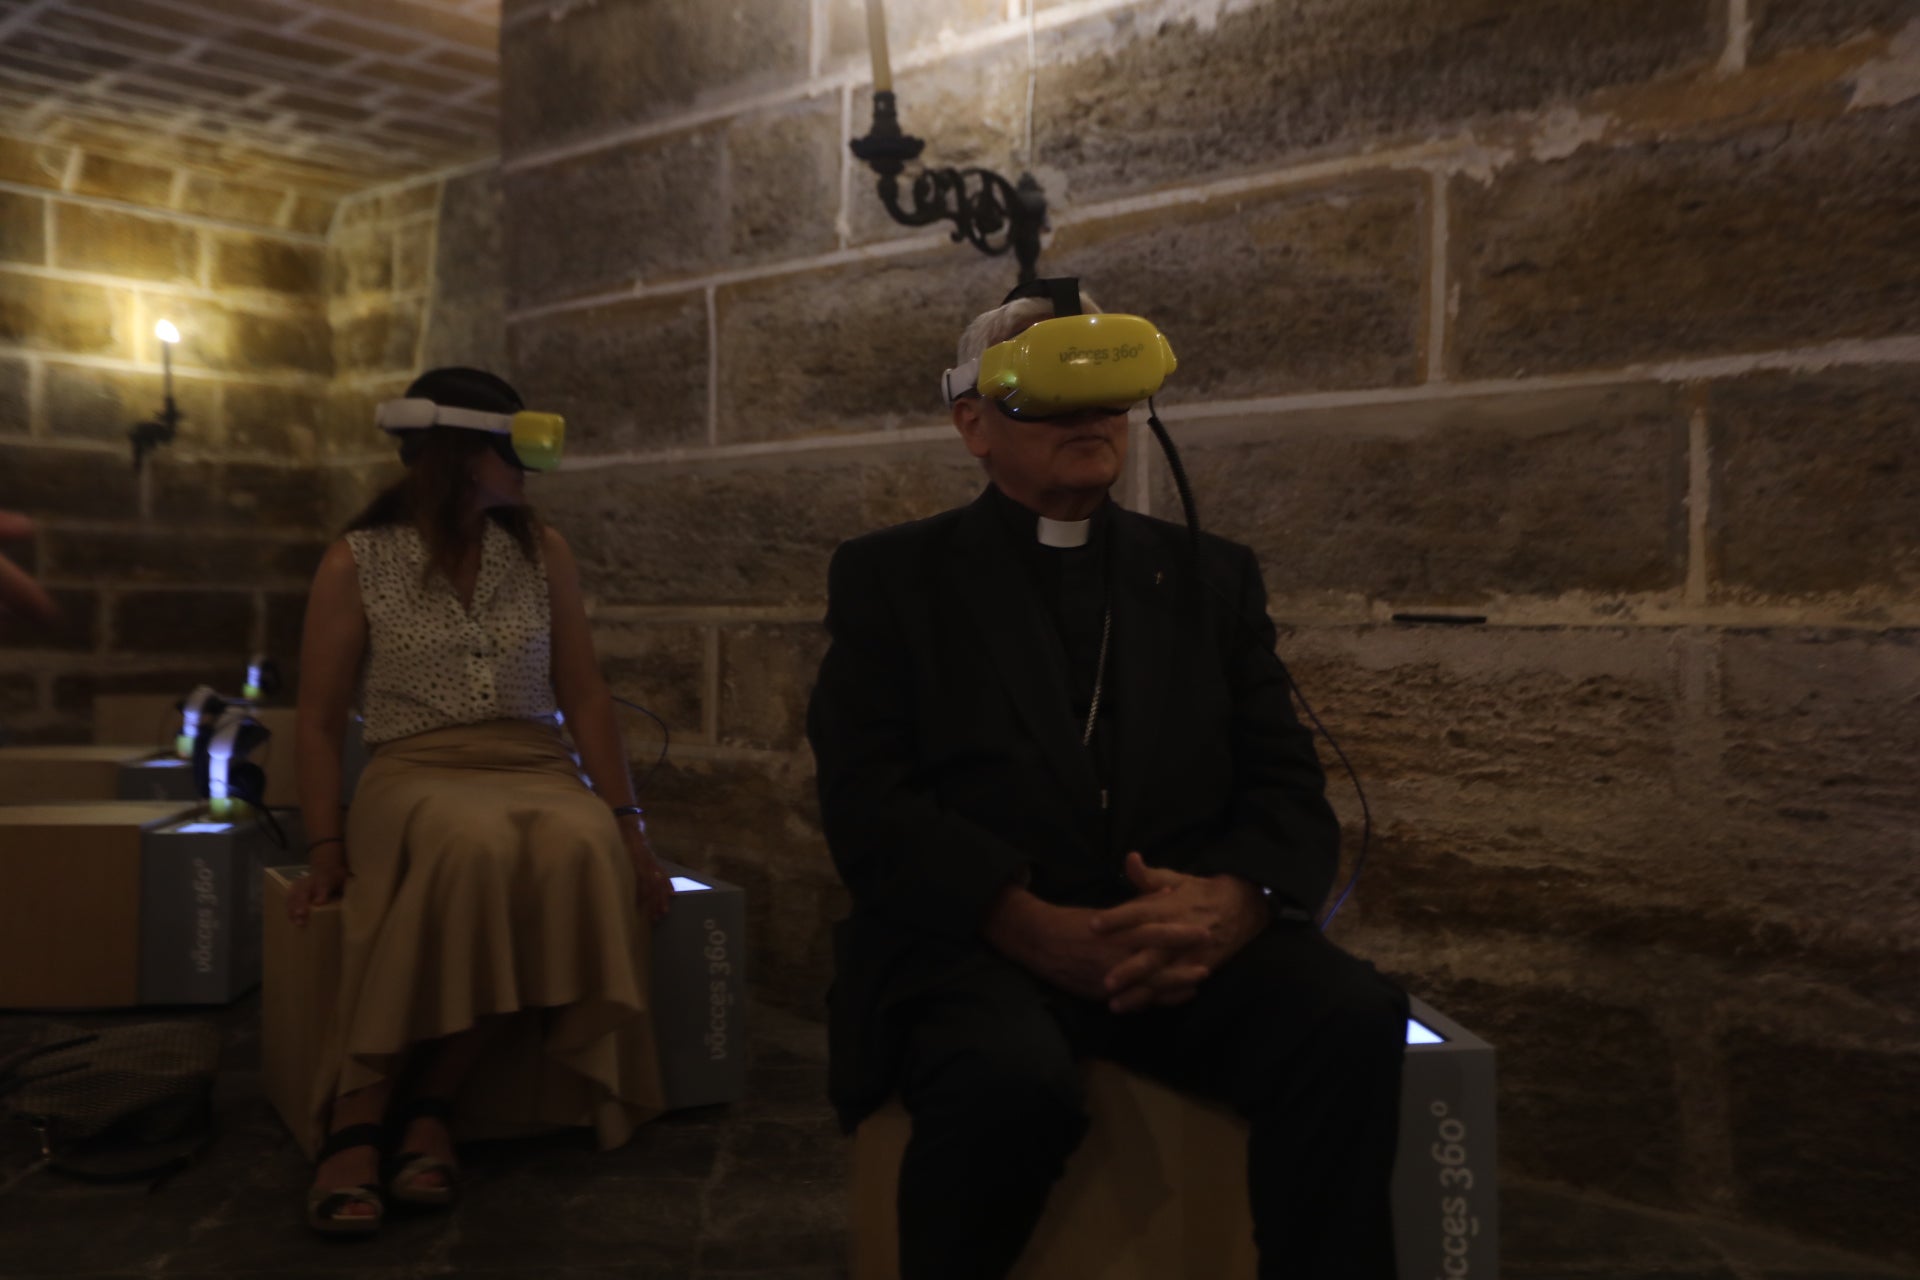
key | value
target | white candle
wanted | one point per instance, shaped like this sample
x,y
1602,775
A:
x,y
168,335
877,44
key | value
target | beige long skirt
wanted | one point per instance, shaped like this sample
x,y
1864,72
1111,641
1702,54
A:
x,y
487,879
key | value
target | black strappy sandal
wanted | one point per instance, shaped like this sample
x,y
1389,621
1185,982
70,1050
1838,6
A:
x,y
324,1204
406,1168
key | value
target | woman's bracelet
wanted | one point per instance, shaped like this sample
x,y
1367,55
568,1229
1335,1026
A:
x,y
628,811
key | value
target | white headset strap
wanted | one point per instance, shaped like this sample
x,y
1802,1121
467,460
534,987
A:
x,y
226,735
227,732
955,383
498,422
449,416
195,706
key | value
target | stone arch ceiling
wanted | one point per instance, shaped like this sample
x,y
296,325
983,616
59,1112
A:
x,y
334,95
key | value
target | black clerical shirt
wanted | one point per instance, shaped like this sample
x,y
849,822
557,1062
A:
x,y
1073,585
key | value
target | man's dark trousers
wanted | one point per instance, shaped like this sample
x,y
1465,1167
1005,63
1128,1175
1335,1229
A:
x,y
1299,1038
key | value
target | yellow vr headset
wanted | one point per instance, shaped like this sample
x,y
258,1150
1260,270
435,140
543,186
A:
x,y
1069,364
530,440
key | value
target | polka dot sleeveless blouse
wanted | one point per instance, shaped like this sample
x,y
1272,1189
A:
x,y
433,662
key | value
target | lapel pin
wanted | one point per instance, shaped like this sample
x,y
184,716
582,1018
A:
x,y
1157,576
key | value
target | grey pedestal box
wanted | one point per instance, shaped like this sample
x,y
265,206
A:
x,y
700,991
1446,1207
164,777
200,911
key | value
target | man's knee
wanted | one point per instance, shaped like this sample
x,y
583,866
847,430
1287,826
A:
x,y
1368,1010
1000,1084
1356,1033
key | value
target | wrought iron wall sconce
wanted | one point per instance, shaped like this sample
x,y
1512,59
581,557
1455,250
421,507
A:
x,y
986,210
150,435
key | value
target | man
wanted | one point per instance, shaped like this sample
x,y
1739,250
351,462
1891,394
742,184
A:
x,y
1062,778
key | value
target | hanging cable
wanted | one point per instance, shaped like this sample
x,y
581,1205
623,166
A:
x,y
264,818
1179,472
666,741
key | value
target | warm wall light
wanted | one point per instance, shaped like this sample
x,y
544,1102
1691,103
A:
x,y
148,436
996,217
169,338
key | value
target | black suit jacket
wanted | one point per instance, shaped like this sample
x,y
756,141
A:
x,y
950,765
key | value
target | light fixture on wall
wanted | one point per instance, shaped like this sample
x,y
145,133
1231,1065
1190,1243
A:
x,y
989,212
150,435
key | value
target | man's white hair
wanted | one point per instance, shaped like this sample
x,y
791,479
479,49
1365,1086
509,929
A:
x,y
991,328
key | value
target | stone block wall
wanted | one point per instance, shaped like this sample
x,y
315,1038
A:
x,y
1600,322
297,311
413,280
175,575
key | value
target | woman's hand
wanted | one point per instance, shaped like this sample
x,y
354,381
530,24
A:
x,y
326,878
653,890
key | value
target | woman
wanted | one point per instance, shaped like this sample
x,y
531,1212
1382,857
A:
x,y
495,910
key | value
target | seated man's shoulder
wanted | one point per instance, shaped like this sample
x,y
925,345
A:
x,y
900,542
1171,536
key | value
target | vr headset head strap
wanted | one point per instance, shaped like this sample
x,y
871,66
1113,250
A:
x,y
1063,291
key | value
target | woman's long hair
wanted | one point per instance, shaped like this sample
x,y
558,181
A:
x,y
436,494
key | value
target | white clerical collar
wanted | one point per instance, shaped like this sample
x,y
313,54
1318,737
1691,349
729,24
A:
x,y
1064,533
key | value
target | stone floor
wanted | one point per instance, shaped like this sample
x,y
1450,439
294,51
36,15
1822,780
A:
x,y
753,1190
